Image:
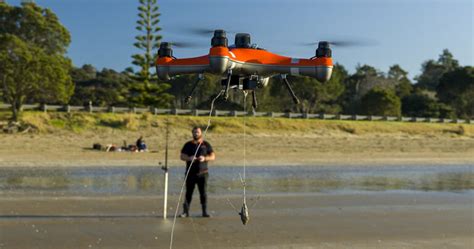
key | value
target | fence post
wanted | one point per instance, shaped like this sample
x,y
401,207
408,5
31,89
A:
x,y
155,111
45,107
90,107
68,108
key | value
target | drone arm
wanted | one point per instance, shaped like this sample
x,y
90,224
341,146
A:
x,y
254,98
168,67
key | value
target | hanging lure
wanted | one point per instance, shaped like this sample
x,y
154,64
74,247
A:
x,y
244,214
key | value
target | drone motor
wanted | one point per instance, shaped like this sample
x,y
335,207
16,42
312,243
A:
x,y
242,40
165,50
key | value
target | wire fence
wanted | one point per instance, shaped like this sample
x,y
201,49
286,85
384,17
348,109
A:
x,y
225,113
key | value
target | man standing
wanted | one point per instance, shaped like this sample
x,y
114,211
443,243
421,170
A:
x,y
198,173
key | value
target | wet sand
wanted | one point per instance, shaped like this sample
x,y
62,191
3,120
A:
x,y
401,219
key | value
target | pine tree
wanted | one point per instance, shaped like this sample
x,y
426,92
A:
x,y
147,90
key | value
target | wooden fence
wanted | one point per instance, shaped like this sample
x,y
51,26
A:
x,y
222,113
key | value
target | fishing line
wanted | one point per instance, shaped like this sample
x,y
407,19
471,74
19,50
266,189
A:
x,y
245,146
190,165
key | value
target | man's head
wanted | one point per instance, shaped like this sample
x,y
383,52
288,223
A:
x,y
197,133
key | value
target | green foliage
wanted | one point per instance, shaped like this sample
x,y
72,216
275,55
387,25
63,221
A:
x,y
360,83
403,86
105,88
35,25
148,40
181,86
456,88
32,47
383,102
432,71
146,90
31,75
419,104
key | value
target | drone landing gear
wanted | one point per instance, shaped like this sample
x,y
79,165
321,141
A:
x,y
247,84
190,95
251,85
288,86
227,86
254,100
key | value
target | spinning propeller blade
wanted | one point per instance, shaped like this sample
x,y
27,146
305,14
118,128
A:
x,y
204,32
344,43
188,45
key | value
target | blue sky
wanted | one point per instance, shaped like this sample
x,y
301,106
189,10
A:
x,y
407,32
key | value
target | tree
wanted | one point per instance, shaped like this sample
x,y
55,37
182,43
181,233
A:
x,y
419,104
403,86
32,47
147,90
456,88
35,25
360,83
149,40
181,86
379,101
104,88
432,71
322,97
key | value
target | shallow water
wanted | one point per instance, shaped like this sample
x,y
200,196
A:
x,y
92,181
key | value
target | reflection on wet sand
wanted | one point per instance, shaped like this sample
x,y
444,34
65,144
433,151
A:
x,y
225,180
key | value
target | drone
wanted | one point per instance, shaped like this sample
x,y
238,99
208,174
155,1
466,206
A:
x,y
244,65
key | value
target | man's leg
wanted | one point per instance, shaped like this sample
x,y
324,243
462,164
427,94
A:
x,y
202,187
190,184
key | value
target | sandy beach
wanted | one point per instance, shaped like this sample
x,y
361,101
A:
x,y
429,210
357,220
68,149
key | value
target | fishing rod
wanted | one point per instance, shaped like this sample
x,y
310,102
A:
x,y
165,169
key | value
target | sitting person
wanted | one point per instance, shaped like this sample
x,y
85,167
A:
x,y
141,146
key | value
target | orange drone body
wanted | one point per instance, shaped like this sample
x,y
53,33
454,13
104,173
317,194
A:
x,y
245,61
243,65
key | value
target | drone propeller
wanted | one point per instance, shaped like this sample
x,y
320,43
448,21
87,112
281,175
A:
x,y
344,43
204,32
180,44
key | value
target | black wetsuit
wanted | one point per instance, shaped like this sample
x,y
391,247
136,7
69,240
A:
x,y
198,174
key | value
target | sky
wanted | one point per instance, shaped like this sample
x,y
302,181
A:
x,y
404,32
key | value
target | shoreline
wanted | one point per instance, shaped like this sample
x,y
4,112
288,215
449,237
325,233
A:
x,y
434,159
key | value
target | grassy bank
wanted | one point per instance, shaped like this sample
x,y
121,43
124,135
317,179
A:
x,y
83,122
61,139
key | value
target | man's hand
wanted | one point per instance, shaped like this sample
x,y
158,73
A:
x,y
201,159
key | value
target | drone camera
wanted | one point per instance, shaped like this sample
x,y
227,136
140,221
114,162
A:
x,y
249,84
234,81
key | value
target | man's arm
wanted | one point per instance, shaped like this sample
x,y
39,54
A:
x,y
186,158
210,157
